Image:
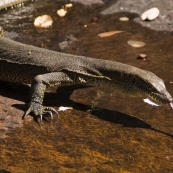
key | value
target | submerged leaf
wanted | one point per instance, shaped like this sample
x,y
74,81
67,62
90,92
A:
x,y
108,34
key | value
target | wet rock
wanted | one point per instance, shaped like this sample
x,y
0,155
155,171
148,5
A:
x,y
94,19
110,33
71,38
44,21
63,45
69,5
142,56
62,12
11,34
88,2
124,19
150,14
68,41
165,21
135,43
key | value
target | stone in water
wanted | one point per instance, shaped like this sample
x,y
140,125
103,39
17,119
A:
x,y
69,5
136,43
150,14
142,56
124,19
44,21
61,12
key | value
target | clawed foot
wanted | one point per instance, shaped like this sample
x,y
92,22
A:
x,y
39,111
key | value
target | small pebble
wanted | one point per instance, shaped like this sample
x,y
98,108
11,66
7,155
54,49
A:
x,y
94,19
142,56
124,19
44,21
63,45
136,43
61,12
69,5
110,33
150,14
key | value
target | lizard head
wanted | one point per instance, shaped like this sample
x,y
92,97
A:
x,y
158,94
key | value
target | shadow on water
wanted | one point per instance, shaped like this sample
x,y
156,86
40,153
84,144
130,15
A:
x,y
125,120
62,97
104,114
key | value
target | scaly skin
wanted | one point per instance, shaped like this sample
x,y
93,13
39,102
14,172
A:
x,y
10,3
28,64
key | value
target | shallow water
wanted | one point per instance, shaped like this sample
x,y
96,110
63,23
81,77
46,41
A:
x,y
104,132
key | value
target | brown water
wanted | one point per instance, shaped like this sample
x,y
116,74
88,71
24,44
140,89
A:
x,y
104,132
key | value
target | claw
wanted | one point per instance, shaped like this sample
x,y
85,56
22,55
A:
x,y
51,110
48,112
41,118
51,116
26,113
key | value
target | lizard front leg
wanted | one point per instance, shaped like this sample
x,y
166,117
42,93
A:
x,y
38,88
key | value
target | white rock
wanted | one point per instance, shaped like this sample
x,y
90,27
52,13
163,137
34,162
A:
x,y
44,21
61,12
69,5
150,14
124,19
136,43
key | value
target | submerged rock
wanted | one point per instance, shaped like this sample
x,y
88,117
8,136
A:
x,y
142,56
124,19
135,43
44,21
88,2
62,12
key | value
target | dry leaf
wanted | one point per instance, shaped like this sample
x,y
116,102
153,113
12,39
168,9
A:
x,y
108,34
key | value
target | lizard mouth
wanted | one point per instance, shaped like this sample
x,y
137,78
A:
x,y
171,105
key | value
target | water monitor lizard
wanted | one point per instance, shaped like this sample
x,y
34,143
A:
x,y
28,64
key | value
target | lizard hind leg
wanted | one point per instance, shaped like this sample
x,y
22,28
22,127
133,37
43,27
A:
x,y
38,88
